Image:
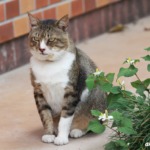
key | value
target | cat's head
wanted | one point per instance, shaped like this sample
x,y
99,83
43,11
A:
x,y
48,39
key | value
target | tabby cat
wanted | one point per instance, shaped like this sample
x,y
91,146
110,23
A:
x,y
58,74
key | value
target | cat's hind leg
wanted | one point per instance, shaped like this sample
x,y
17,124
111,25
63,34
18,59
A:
x,y
79,126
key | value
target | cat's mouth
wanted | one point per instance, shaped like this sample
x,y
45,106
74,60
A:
x,y
49,56
43,53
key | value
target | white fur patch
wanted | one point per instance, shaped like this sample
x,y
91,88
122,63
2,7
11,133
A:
x,y
48,138
84,95
63,131
43,45
53,77
61,140
76,133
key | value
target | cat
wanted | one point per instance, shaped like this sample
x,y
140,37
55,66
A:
x,y
58,74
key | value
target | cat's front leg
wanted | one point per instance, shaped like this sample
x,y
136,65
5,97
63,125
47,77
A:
x,y
67,114
45,114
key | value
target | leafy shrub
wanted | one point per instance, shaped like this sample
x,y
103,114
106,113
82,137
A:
x,y
130,111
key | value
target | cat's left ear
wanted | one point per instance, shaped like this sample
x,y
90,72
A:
x,y
63,23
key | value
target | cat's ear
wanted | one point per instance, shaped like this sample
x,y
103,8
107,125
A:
x,y
63,23
33,21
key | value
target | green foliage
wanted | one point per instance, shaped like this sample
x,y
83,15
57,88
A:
x,y
147,49
116,145
90,82
130,111
148,67
117,101
96,127
95,113
141,86
124,124
110,77
127,72
146,58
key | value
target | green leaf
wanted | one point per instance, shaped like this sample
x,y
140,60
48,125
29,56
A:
x,y
140,100
102,74
96,127
90,82
148,67
126,130
95,113
147,49
117,101
136,61
146,58
128,93
121,143
111,146
110,77
104,84
127,72
125,122
115,89
106,87
116,115
112,98
140,88
146,82
116,145
102,80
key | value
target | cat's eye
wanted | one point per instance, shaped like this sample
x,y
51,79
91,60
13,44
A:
x,y
52,39
36,39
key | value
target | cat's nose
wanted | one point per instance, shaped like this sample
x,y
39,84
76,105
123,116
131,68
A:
x,y
42,49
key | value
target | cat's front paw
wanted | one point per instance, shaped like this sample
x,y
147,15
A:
x,y
61,140
48,138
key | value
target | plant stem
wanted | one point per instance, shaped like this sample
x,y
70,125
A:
x,y
138,78
118,133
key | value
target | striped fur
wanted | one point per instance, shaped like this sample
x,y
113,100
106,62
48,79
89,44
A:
x,y
58,74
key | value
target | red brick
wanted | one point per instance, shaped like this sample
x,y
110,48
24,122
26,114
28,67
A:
x,y
54,1
26,5
12,9
21,26
62,10
38,15
101,3
50,13
76,7
6,31
2,17
41,3
89,5
112,1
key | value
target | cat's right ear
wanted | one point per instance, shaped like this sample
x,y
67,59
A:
x,y
33,21
63,23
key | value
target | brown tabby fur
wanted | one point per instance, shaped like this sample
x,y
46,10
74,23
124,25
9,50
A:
x,y
56,35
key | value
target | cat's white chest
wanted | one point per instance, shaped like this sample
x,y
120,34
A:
x,y
53,77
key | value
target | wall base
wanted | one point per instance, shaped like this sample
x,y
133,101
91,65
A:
x,y
15,53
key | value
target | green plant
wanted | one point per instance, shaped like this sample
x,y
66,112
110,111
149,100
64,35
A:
x,y
130,111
